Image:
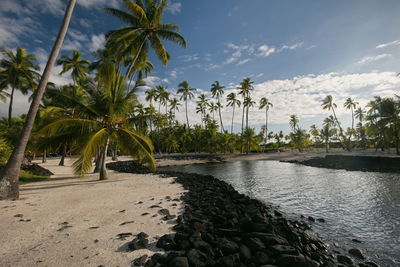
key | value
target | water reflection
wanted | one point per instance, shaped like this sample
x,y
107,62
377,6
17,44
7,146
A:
x,y
358,205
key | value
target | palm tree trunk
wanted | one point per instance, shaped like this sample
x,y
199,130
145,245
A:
x,y
103,170
9,177
44,159
10,107
233,115
344,141
98,160
134,61
266,127
220,117
187,118
64,153
241,136
326,144
247,128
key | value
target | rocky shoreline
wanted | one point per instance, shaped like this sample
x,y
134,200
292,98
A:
x,y
221,227
353,163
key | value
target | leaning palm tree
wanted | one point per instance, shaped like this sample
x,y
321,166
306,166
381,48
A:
x,y
187,94
102,120
217,91
232,102
264,103
18,73
144,29
351,104
78,66
10,174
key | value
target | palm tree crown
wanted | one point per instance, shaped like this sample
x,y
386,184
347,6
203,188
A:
x,y
78,65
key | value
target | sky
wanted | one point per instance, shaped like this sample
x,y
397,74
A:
x,y
296,52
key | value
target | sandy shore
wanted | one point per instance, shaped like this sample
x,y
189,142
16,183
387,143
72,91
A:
x,y
69,221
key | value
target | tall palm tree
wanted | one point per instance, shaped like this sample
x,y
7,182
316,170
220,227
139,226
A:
x,y
327,103
248,103
201,107
187,94
359,114
212,107
174,106
151,94
294,122
18,73
10,174
79,67
244,90
144,29
264,103
351,104
232,102
217,91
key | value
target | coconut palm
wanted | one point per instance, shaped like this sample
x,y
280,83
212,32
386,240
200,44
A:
x,y
187,94
244,90
201,107
144,29
264,103
232,102
351,104
248,103
151,94
174,106
212,107
217,91
327,103
18,73
10,174
78,66
104,119
294,121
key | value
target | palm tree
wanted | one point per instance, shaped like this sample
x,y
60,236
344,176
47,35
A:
x,y
187,94
350,104
201,107
174,105
103,119
151,94
10,174
245,87
248,103
19,73
212,107
217,91
294,121
144,29
360,115
328,104
264,103
78,65
233,102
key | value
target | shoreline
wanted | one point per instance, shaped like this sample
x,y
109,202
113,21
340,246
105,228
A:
x,y
214,213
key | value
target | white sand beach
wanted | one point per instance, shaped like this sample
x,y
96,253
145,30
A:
x,y
70,221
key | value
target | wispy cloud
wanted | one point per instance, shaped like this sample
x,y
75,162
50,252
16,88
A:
x,y
174,8
265,50
189,58
243,61
397,42
97,42
369,59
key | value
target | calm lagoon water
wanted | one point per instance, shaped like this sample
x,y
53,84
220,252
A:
x,y
361,205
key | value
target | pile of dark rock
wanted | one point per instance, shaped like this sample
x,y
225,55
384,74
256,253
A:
x,y
354,163
34,169
128,166
221,227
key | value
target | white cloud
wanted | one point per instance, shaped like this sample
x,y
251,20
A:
x,y
97,42
243,61
265,50
368,59
291,47
189,58
397,42
174,8
99,4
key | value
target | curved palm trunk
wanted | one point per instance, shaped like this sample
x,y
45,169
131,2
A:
x,y
233,116
10,175
64,154
10,107
134,61
103,170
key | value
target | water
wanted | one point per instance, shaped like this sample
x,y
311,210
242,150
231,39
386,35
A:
x,y
361,205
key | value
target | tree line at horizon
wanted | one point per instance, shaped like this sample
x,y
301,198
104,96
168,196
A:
x,y
99,114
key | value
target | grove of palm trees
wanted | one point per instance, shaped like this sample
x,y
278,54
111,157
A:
x,y
110,109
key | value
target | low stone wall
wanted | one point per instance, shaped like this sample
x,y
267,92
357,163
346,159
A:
x,y
354,163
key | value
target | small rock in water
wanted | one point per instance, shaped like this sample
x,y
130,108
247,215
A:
x,y
154,206
64,227
321,220
356,252
356,240
345,260
311,219
122,211
163,212
140,202
277,213
142,235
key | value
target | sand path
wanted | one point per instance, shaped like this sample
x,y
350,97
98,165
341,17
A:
x,y
69,221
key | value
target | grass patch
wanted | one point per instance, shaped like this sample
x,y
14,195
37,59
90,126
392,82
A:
x,y
27,177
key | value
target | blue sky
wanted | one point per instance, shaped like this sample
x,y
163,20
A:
x,y
296,52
